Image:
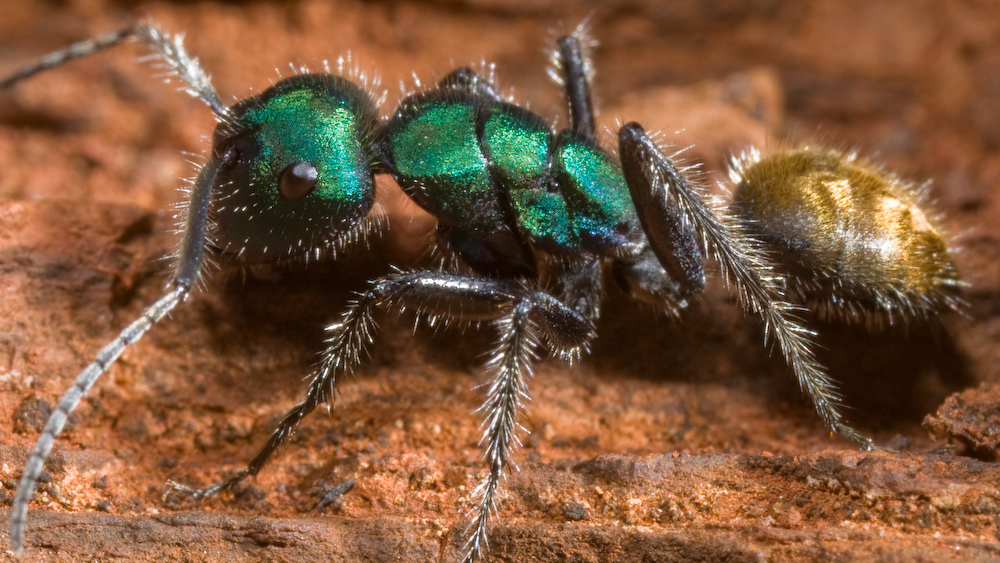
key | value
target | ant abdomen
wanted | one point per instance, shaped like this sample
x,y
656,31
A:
x,y
851,237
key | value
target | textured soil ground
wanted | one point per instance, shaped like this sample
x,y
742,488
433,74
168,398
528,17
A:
x,y
672,441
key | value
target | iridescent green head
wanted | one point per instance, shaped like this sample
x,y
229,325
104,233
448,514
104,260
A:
x,y
303,175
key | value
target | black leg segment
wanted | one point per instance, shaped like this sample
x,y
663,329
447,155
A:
x,y
573,65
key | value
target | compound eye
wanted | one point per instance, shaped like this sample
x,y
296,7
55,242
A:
x,y
297,180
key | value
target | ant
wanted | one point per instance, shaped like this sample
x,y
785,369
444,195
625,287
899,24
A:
x,y
521,208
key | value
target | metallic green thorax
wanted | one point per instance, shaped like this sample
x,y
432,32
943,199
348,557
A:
x,y
597,196
479,163
519,143
437,160
321,119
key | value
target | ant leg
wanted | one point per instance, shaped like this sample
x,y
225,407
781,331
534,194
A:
x,y
572,69
645,277
508,389
517,312
682,257
568,333
170,49
665,202
185,275
346,343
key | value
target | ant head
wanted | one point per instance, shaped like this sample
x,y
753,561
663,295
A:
x,y
302,175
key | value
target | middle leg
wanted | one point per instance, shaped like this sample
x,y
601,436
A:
x,y
521,314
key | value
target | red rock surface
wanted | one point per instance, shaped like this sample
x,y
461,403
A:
x,y
671,441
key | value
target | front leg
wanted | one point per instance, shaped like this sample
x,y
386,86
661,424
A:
x,y
665,203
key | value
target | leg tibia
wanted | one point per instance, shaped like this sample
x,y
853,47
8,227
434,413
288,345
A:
x,y
511,364
572,63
